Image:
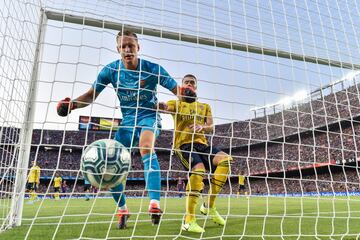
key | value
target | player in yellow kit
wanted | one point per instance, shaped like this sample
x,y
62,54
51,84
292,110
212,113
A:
x,y
193,120
242,187
33,181
57,185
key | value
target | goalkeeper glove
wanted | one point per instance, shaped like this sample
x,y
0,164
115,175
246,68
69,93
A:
x,y
188,94
65,106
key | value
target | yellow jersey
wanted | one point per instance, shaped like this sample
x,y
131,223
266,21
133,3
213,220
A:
x,y
57,182
34,174
241,180
184,115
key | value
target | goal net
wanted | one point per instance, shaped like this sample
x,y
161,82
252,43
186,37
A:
x,y
281,77
19,36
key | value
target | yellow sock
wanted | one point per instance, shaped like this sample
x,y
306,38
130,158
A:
x,y
193,189
57,196
33,196
218,180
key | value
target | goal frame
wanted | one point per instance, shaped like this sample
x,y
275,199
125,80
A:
x,y
17,202
213,42
24,146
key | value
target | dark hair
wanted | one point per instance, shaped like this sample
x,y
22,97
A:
x,y
189,75
126,33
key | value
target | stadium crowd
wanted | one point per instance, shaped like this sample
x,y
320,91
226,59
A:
x,y
309,148
329,182
322,111
323,130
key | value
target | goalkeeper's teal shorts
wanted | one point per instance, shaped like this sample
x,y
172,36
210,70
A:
x,y
129,136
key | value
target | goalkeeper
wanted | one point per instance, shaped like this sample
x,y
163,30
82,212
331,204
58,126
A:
x,y
192,120
135,82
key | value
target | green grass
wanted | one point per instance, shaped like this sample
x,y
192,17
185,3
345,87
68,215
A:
x,y
272,217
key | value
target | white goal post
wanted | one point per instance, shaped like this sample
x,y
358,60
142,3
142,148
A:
x,y
21,37
26,133
213,42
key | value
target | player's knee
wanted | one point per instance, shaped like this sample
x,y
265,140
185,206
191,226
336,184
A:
x,y
146,144
146,148
223,160
198,167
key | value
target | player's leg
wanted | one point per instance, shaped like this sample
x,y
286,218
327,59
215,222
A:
x,y
180,190
243,189
87,190
194,186
57,193
151,171
123,211
33,195
124,136
29,191
221,162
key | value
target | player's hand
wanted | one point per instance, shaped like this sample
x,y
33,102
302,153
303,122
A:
x,y
196,127
64,107
187,94
163,106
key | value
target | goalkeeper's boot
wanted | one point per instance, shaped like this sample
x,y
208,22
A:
x,y
155,213
123,215
215,216
192,226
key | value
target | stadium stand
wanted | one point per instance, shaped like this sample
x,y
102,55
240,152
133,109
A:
x,y
305,142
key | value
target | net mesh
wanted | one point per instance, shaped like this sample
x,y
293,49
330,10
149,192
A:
x,y
282,80
18,36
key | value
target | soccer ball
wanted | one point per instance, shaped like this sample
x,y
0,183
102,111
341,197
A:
x,y
105,163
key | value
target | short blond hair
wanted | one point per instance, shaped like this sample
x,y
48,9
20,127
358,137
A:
x,y
126,33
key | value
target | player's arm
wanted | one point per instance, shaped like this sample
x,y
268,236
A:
x,y
168,82
38,175
176,90
29,176
65,106
38,171
87,98
208,126
168,107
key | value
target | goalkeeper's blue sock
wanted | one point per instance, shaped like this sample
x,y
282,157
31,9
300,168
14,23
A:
x,y
152,176
118,195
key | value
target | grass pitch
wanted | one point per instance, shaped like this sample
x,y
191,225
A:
x,y
247,218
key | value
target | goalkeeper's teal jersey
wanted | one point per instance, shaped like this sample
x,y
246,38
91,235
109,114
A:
x,y
136,89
